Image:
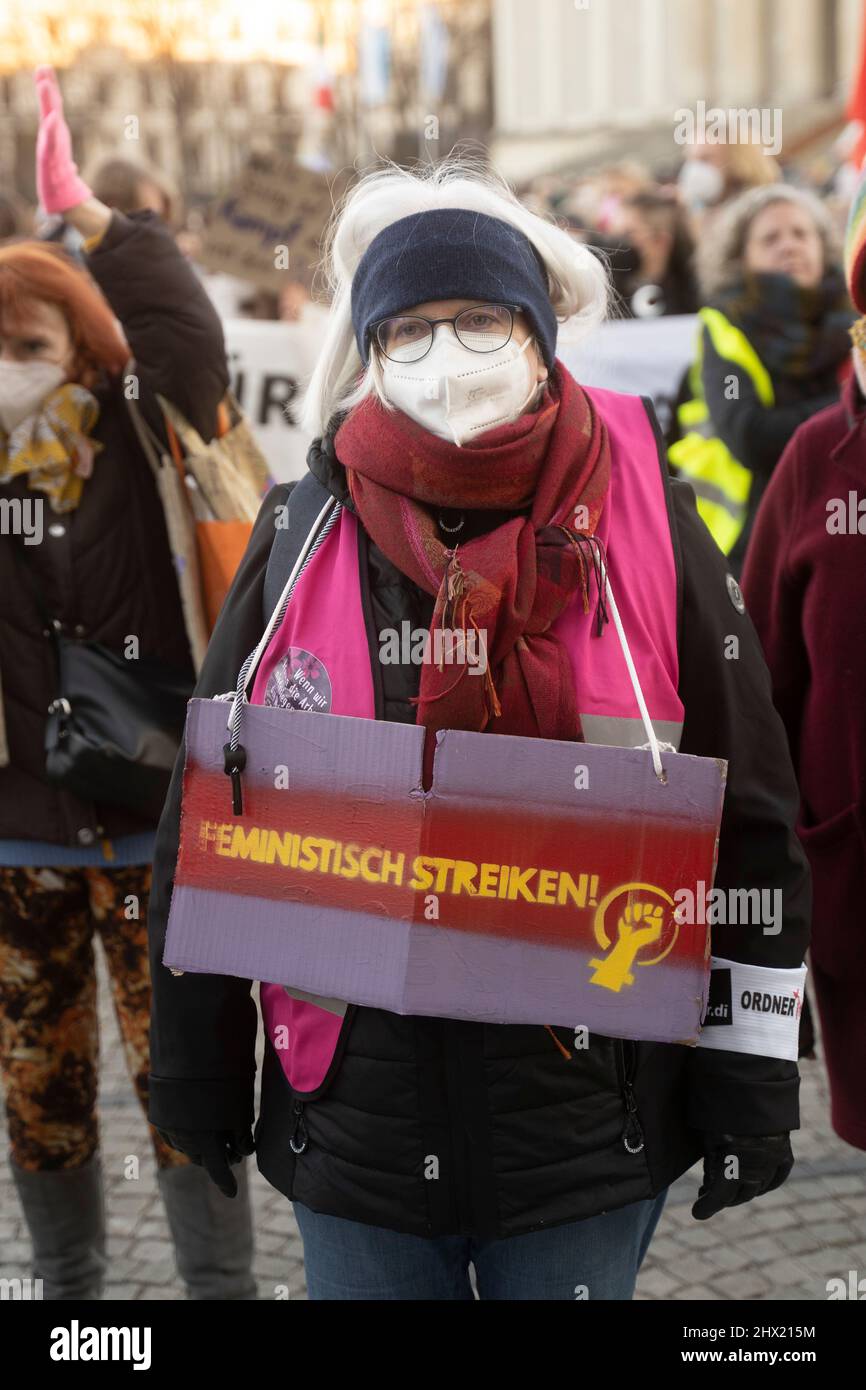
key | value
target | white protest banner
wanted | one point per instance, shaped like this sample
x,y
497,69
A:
x,y
642,357
270,364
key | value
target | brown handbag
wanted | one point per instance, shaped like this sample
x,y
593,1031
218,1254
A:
x,y
210,494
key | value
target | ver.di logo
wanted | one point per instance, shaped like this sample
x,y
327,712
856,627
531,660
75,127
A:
x,y
646,919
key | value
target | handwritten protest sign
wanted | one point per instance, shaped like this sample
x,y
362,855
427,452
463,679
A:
x,y
536,881
271,223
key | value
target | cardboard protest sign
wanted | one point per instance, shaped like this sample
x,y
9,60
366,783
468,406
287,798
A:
x,y
534,882
276,203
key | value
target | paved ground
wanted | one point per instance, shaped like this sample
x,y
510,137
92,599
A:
x,y
784,1246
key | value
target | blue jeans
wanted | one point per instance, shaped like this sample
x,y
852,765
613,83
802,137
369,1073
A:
x,y
597,1259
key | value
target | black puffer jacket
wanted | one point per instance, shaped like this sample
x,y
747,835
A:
x,y
105,570
524,1138
755,434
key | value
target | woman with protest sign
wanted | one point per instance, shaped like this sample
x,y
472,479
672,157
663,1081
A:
x,y
460,478
773,350
90,620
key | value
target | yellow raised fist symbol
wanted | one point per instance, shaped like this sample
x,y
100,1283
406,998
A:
x,y
641,922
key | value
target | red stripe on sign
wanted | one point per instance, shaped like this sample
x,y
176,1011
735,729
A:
x,y
506,872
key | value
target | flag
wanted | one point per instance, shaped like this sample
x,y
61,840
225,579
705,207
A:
x,y
856,109
323,77
374,63
433,41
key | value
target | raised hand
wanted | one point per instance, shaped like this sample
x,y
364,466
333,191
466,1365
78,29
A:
x,y
57,177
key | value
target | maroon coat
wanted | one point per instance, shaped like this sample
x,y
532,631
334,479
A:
x,y
805,586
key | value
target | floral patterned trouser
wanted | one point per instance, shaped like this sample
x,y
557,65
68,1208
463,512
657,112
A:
x,y
49,1028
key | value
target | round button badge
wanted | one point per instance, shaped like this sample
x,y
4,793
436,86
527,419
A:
x,y
735,594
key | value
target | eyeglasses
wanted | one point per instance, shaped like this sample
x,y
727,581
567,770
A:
x,y
482,328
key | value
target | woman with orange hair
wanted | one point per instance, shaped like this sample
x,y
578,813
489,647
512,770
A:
x,y
84,556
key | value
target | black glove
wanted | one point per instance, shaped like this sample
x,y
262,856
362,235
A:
x,y
213,1150
764,1161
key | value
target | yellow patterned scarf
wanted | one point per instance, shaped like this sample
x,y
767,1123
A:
x,y
53,447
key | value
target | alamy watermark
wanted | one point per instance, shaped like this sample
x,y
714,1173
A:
x,y
77,1343
853,1287
846,516
22,516
739,125
728,907
416,646
23,1290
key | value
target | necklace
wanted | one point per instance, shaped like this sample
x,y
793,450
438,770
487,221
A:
x,y
451,530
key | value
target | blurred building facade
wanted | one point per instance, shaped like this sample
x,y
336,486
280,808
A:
x,y
575,79
544,83
193,123
406,79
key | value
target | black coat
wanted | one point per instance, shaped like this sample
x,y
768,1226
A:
x,y
757,434
523,1138
105,570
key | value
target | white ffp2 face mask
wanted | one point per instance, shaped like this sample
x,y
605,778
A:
x,y
23,388
456,393
700,182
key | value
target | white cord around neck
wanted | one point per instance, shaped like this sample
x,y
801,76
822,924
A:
x,y
633,677
272,622
620,632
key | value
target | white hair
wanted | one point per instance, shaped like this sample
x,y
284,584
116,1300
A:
x,y
578,282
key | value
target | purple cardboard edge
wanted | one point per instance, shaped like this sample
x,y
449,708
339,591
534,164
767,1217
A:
x,y
345,742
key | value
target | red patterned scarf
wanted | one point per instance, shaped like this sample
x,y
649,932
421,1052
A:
x,y
509,585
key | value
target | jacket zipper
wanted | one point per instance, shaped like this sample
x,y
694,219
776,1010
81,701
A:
x,y
300,1137
632,1134
299,1140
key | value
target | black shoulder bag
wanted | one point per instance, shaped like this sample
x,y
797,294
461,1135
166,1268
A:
x,y
115,726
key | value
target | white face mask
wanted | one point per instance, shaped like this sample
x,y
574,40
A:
x,y
700,182
23,388
456,393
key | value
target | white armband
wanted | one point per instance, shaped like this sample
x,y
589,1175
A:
x,y
753,1008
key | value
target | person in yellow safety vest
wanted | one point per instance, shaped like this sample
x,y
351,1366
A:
x,y
772,350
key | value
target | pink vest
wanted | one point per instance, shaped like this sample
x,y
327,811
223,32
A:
x,y
318,659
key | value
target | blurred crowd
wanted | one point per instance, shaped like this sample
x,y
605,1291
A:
x,y
648,220
130,186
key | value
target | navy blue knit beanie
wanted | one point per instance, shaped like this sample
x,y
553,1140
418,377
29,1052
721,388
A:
x,y
451,253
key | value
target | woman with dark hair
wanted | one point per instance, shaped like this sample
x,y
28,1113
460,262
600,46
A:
x,y
654,224
87,556
130,186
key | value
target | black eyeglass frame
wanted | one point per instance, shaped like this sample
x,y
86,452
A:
x,y
432,324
